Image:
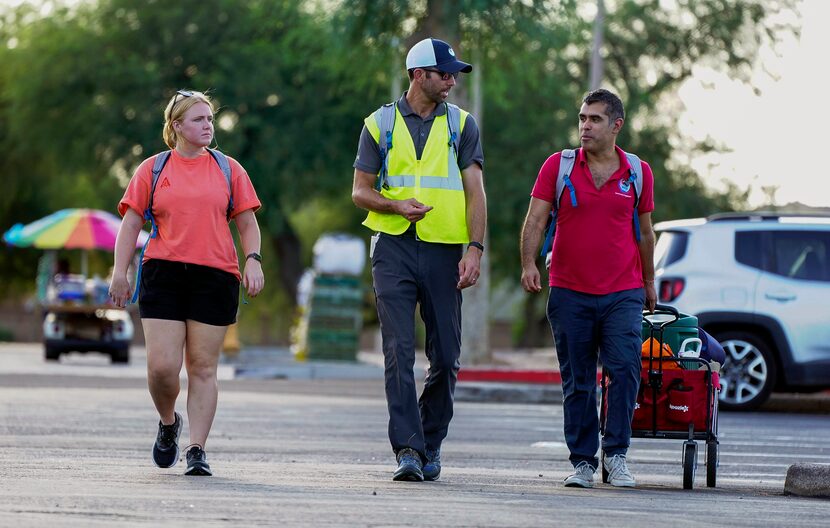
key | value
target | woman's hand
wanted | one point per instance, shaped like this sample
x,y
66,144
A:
x,y
120,291
252,278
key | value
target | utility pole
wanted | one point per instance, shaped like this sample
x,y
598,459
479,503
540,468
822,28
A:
x,y
443,21
597,66
475,311
396,70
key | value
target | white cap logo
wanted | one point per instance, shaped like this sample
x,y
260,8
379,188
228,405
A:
x,y
451,52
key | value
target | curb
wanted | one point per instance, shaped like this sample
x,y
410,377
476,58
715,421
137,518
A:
x,y
808,480
509,375
310,370
490,392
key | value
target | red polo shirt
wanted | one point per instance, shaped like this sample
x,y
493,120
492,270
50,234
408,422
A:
x,y
594,249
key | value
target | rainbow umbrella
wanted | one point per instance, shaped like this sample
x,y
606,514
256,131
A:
x,y
70,229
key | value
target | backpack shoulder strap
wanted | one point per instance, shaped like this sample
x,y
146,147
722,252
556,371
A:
x,y
159,162
385,119
636,179
225,166
563,181
158,166
636,175
454,126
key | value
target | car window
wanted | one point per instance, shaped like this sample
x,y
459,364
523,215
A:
x,y
748,248
801,255
671,247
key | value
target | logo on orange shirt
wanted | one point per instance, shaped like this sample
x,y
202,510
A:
x,y
165,183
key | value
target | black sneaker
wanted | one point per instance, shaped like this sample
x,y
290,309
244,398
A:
x,y
166,448
409,466
197,462
432,469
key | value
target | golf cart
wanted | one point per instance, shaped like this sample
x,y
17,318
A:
x,y
79,318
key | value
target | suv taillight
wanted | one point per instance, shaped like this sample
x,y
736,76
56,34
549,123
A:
x,y
670,289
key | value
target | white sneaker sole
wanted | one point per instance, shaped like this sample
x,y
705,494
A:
x,y
578,483
623,483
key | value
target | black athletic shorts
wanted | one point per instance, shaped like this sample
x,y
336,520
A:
x,y
179,291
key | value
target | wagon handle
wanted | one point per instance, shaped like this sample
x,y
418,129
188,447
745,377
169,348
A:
x,y
662,308
666,308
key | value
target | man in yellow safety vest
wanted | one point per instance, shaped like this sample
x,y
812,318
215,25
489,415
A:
x,y
419,174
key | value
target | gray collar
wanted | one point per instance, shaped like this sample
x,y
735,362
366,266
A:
x,y
406,110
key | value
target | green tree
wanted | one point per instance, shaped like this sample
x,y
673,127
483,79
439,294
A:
x,y
82,92
87,87
535,58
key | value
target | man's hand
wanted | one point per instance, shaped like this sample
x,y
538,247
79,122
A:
x,y
412,209
469,268
531,280
651,296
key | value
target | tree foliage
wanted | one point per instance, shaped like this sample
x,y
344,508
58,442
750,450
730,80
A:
x,y
82,92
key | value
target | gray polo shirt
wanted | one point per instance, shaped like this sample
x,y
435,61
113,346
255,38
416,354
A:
x,y
469,150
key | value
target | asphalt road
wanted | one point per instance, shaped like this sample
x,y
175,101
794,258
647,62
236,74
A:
x,y
75,451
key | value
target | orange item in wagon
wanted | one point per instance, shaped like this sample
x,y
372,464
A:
x,y
652,344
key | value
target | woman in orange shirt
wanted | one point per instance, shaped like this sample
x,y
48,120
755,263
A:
x,y
189,281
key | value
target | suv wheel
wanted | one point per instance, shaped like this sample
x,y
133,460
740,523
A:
x,y
748,373
52,353
120,355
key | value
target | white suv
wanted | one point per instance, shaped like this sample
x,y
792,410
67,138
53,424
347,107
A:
x,y
760,284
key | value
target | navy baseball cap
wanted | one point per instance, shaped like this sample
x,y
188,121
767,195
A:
x,y
434,53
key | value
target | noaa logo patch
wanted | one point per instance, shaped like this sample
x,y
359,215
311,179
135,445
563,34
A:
x,y
625,186
451,52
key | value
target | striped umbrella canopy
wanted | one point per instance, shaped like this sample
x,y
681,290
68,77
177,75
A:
x,y
70,229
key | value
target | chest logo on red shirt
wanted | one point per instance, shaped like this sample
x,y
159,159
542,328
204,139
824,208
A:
x,y
625,186
165,183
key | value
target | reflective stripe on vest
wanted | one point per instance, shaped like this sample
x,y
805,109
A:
x,y
433,180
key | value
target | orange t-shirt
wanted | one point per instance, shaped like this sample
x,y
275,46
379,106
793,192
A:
x,y
190,206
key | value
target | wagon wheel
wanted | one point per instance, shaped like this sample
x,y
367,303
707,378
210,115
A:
x,y
689,463
712,462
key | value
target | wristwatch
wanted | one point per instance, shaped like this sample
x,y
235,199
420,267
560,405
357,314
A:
x,y
477,245
256,256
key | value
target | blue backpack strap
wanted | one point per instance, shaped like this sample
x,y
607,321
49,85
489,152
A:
x,y
563,181
158,165
225,165
454,127
635,177
385,118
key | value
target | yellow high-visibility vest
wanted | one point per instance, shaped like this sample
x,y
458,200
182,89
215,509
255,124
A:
x,y
433,180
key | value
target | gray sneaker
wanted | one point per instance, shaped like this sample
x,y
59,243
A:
x,y
410,466
618,474
583,476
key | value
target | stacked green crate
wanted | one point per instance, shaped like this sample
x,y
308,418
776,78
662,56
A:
x,y
334,317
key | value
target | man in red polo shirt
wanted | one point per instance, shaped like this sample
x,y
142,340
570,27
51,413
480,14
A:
x,y
601,277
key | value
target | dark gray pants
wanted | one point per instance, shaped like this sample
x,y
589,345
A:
x,y
407,271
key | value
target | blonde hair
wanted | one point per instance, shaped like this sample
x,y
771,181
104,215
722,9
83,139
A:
x,y
179,104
